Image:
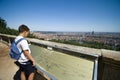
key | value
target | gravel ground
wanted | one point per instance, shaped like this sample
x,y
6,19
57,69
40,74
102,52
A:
x,y
7,66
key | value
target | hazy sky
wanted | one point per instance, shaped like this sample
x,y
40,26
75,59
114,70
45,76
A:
x,y
62,15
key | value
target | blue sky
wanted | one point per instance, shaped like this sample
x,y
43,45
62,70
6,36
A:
x,y
62,15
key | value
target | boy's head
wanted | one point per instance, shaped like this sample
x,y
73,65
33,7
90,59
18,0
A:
x,y
23,29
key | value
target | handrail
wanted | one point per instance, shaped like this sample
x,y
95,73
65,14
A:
x,y
82,50
115,55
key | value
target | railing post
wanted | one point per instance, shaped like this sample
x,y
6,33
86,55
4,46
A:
x,y
95,77
0,38
9,42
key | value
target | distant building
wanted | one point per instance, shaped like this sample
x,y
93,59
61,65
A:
x,y
93,33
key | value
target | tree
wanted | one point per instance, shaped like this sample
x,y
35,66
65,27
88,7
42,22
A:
x,y
2,25
7,30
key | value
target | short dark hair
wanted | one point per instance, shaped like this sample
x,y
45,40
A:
x,y
23,28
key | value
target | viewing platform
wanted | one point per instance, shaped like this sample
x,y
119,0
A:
x,y
104,64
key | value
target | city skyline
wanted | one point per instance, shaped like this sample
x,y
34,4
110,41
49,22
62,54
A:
x,y
63,15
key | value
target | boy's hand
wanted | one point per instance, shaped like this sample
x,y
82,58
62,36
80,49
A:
x,y
33,62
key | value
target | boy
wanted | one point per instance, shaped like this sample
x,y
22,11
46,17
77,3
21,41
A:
x,y
27,63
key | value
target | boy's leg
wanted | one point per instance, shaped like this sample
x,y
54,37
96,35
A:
x,y
23,75
31,76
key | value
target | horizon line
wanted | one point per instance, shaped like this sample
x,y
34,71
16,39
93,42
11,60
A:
x,y
78,31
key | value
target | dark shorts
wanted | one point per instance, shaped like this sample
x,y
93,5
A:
x,y
28,68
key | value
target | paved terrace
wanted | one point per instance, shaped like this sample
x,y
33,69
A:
x,y
7,66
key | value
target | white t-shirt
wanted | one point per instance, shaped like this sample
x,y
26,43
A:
x,y
22,45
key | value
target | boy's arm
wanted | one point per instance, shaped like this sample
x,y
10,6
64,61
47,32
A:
x,y
29,56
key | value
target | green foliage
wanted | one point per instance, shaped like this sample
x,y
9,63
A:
x,y
89,44
7,30
117,48
2,25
